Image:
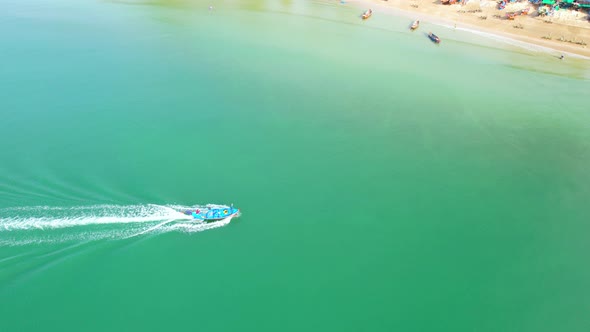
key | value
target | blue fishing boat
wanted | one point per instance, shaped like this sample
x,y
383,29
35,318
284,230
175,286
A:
x,y
213,214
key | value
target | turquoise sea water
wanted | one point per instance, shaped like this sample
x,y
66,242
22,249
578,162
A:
x,y
385,183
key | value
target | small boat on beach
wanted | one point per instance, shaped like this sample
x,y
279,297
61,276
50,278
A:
x,y
367,14
434,37
415,25
213,214
512,16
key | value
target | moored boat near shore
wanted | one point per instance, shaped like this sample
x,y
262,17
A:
x,y
434,37
367,14
415,25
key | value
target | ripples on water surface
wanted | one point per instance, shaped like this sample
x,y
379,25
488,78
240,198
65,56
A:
x,y
386,183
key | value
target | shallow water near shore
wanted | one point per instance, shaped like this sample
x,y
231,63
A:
x,y
385,183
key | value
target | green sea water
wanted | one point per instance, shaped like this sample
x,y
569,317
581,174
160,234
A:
x,y
385,183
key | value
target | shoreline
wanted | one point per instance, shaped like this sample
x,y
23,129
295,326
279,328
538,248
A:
x,y
529,34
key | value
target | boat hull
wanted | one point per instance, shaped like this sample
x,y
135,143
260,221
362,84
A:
x,y
209,220
213,214
434,38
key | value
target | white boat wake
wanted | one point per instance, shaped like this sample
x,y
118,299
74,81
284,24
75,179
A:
x,y
44,224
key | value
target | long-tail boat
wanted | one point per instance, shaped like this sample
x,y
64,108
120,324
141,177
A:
x,y
434,37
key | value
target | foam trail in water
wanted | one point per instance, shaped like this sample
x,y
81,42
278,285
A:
x,y
44,217
198,227
152,228
44,224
